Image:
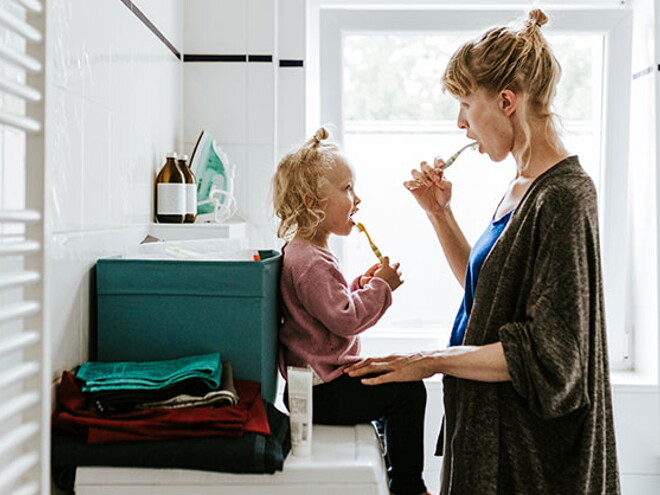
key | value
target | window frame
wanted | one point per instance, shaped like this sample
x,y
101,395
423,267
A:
x,y
615,24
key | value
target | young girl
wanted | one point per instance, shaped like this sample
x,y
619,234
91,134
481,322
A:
x,y
323,315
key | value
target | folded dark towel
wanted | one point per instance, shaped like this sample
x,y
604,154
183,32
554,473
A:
x,y
251,453
225,396
97,376
121,401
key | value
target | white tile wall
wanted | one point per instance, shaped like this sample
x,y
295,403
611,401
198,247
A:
x,y
215,27
114,109
291,29
290,107
215,99
260,170
261,103
167,20
261,27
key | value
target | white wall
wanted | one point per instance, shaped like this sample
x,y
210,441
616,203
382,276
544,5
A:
x,y
113,110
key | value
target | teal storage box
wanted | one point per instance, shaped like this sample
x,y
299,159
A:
x,y
153,309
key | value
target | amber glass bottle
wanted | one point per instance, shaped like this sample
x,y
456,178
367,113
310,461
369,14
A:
x,y
170,192
191,189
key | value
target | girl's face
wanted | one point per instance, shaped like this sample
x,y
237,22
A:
x,y
340,202
487,120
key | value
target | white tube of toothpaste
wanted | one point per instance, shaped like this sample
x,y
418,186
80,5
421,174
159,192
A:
x,y
299,381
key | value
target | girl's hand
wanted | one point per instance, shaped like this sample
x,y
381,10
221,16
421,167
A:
x,y
430,188
368,275
394,368
390,273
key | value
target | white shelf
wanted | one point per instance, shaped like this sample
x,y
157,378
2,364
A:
x,y
232,229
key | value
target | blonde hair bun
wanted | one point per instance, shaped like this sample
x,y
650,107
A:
x,y
321,135
537,17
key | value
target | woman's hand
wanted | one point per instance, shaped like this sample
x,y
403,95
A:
x,y
429,187
390,273
394,368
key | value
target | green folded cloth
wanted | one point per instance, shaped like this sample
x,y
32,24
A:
x,y
148,375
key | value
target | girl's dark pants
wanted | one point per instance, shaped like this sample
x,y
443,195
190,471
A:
x,y
399,406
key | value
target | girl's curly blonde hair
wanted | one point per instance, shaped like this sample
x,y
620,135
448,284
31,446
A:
x,y
297,185
519,60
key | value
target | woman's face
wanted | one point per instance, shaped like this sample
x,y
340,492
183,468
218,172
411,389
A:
x,y
340,202
487,120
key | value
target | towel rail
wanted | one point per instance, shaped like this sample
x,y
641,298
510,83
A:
x,y
19,216
18,437
17,468
20,27
20,122
18,373
25,376
18,279
18,342
19,248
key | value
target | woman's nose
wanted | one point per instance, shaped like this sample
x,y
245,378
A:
x,y
356,200
460,121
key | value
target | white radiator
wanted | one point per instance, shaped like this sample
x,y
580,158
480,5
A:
x,y
24,354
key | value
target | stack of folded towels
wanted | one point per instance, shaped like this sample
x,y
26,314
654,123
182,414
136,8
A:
x,y
187,382
183,413
157,400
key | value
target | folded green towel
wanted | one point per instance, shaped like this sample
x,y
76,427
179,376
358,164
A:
x,y
99,376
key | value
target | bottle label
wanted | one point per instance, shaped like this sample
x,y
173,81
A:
x,y
191,199
171,199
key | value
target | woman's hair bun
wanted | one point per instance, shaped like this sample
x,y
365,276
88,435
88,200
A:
x,y
321,134
538,17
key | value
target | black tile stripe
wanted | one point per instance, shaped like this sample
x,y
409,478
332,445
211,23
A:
x,y
192,57
140,15
291,63
643,72
260,58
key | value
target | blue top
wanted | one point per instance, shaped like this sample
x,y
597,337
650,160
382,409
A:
x,y
477,257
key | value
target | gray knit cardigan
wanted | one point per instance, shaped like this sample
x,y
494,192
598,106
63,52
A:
x,y
549,430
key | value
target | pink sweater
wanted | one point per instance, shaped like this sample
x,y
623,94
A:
x,y
322,314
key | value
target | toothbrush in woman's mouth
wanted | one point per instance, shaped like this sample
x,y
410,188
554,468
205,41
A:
x,y
450,161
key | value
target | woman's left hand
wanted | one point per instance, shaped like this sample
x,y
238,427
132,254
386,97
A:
x,y
394,368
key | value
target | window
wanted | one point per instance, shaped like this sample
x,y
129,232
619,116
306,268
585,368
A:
x,y
380,72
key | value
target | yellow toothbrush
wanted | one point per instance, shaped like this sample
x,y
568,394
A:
x,y
374,248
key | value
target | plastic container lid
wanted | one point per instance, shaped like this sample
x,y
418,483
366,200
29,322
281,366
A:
x,y
171,154
183,157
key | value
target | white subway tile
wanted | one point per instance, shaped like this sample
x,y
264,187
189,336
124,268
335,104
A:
x,y
261,167
64,172
96,55
261,27
290,106
291,29
67,46
97,173
261,103
166,16
215,26
215,99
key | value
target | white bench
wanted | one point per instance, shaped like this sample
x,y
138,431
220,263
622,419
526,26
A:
x,y
345,460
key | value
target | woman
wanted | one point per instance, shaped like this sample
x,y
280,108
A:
x,y
526,386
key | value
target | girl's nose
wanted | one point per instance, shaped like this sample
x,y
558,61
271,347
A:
x,y
356,200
